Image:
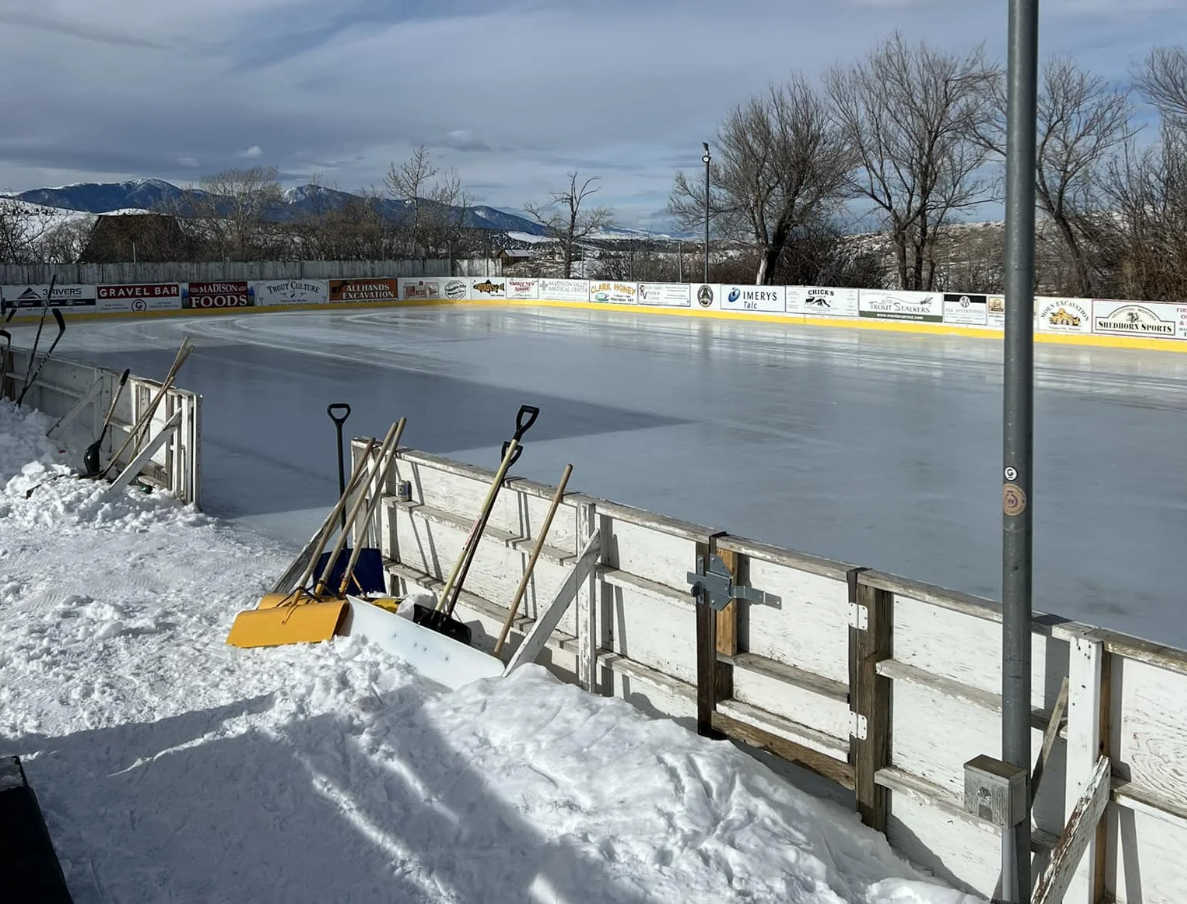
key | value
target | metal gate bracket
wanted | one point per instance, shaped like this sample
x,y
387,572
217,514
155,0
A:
x,y
858,726
859,617
718,584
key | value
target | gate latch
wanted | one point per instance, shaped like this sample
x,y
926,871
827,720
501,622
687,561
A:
x,y
718,584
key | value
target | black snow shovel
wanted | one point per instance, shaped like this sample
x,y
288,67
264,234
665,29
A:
x,y
339,420
90,458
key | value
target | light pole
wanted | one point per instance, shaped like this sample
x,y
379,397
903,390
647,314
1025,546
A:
x,y
706,160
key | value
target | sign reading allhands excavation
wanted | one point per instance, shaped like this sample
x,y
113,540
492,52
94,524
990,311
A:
x,y
668,295
272,292
356,290
216,295
762,299
879,304
821,301
139,298
1142,319
33,296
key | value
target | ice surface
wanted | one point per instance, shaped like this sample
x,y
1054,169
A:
x,y
171,766
876,449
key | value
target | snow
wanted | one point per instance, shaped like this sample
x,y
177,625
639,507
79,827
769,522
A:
x,y
171,766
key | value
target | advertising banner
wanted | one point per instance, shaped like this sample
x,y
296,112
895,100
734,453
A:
x,y
138,298
1063,315
364,290
613,292
1153,319
966,310
818,301
523,288
215,295
671,295
707,295
563,289
65,296
488,288
290,291
765,299
917,306
995,311
412,287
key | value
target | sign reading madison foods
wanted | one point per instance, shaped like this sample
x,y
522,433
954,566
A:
x,y
218,295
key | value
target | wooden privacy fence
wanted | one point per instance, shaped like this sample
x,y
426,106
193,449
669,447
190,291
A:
x,y
884,686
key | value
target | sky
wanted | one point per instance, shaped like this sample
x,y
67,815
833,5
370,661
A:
x,y
513,95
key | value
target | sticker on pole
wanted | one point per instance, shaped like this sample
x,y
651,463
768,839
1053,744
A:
x,y
1013,499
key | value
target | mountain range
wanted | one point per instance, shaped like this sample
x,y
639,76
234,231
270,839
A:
x,y
150,194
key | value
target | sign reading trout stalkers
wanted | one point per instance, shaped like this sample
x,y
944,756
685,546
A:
x,y
139,297
919,306
270,292
216,295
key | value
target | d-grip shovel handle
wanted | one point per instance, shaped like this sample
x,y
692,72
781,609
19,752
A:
x,y
526,417
339,421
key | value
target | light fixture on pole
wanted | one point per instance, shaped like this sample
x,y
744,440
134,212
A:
x,y
706,160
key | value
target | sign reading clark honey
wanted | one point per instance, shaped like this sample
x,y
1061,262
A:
x,y
1127,318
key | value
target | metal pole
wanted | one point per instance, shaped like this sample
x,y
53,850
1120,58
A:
x,y
1018,427
706,160
680,262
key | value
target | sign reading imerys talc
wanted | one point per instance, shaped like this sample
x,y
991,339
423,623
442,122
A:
x,y
613,292
216,295
486,287
966,310
1063,315
761,299
669,295
563,289
880,304
33,296
274,292
138,298
356,290
1144,319
420,288
821,301
523,288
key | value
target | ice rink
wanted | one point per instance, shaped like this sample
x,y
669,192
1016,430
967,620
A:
x,y
877,449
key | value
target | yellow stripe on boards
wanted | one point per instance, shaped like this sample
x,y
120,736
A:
x,y
866,323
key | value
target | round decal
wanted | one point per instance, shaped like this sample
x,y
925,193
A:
x,y
139,305
456,289
1013,499
705,296
1011,474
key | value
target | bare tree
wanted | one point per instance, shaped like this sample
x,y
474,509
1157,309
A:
x,y
572,224
914,117
23,228
234,213
782,166
1162,81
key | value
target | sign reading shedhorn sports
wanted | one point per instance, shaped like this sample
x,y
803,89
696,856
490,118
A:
x,y
1128,318
364,290
216,295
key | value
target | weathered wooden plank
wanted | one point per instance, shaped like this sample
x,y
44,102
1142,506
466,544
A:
x,y
775,555
809,628
1085,745
706,674
656,633
642,550
589,621
648,690
871,642
813,760
627,514
1152,726
1077,837
797,701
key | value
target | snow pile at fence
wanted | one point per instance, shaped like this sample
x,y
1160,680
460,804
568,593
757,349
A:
x,y
172,766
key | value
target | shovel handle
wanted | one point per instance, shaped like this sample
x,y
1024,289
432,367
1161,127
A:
x,y
514,455
338,421
524,419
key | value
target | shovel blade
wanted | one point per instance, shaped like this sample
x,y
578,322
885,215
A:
x,y
303,623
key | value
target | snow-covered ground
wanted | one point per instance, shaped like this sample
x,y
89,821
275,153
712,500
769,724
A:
x,y
171,766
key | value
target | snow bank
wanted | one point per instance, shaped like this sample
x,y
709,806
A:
x,y
171,766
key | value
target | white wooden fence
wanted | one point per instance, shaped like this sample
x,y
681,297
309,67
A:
x,y
883,686
79,394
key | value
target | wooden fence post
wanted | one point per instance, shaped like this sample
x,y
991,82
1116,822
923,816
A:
x,y
871,640
709,670
589,633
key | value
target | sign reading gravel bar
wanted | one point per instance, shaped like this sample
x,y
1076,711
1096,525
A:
x,y
612,292
917,306
564,289
411,287
364,290
523,288
1062,315
966,310
821,301
1129,318
488,288
290,291
216,295
670,295
65,296
139,298
767,299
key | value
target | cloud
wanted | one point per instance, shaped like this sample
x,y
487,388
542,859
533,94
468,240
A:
x,y
513,93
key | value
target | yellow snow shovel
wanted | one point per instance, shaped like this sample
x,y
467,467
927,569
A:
x,y
301,616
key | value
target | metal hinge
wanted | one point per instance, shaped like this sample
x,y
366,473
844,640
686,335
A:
x,y
859,616
858,726
718,584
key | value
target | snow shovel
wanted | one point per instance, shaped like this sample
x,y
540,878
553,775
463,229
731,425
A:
x,y
338,422
440,618
90,458
299,616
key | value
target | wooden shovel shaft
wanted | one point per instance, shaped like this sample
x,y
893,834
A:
x,y
376,495
182,354
527,574
355,476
